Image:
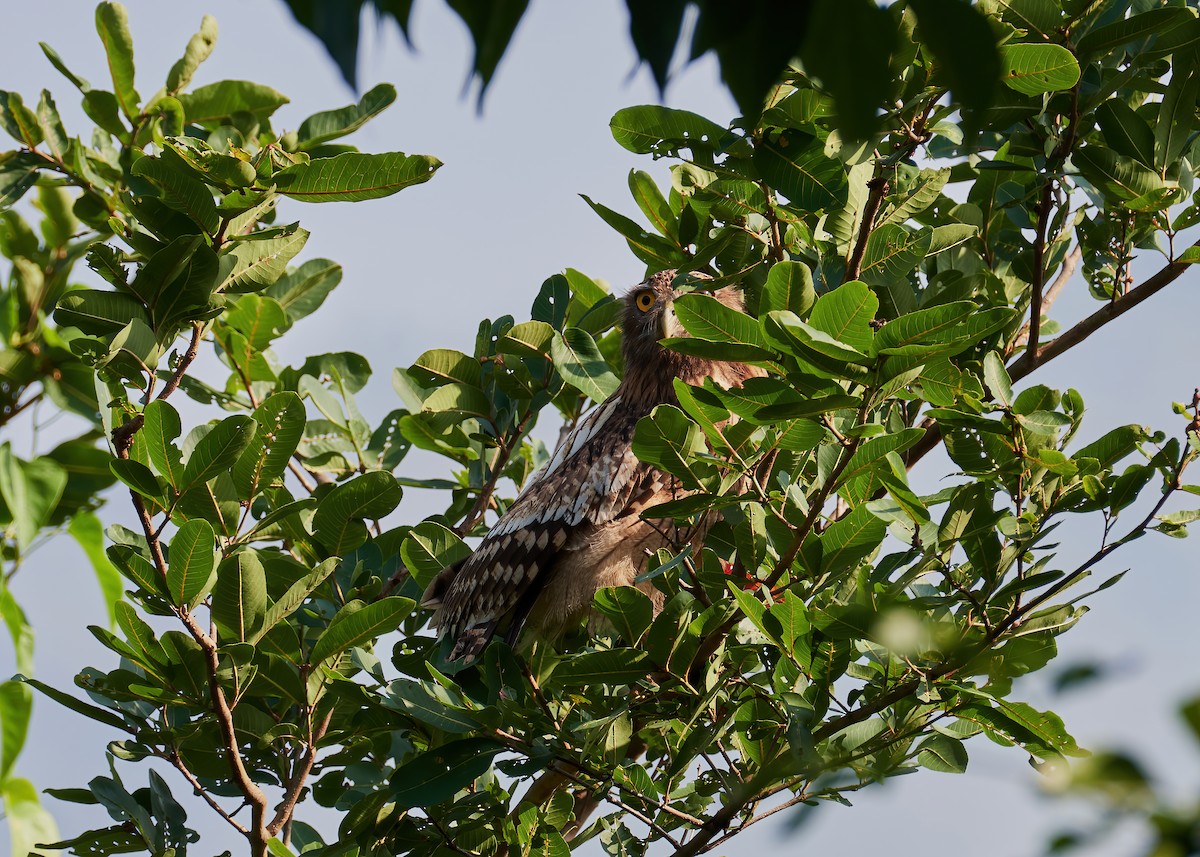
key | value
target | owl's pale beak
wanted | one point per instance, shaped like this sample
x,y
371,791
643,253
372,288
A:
x,y
668,324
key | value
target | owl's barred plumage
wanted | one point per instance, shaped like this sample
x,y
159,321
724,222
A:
x,y
576,526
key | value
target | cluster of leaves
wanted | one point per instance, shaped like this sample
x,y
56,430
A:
x,y
845,44
1122,790
837,628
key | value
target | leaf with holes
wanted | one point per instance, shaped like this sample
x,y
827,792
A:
x,y
218,450
279,426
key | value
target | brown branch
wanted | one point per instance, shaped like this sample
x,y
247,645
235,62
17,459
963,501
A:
x,y
1085,328
879,187
1045,206
185,361
787,804
287,806
775,248
1020,368
257,834
1070,263
198,789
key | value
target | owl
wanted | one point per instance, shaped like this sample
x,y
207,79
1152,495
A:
x,y
577,525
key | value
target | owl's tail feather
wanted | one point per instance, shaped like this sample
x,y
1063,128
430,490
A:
x,y
471,642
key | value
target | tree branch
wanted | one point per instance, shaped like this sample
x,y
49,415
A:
x,y
1020,368
288,805
879,187
1045,206
1051,295
185,361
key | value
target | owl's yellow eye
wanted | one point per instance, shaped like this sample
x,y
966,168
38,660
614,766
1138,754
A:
x,y
644,300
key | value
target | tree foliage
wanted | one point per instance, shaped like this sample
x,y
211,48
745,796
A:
x,y
838,627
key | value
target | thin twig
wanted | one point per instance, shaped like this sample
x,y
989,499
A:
x,y
198,789
185,361
1070,263
1044,208
287,806
1064,342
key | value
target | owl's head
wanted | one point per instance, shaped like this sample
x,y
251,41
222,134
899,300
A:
x,y
650,309
649,318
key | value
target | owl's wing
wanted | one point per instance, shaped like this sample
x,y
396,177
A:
x,y
592,478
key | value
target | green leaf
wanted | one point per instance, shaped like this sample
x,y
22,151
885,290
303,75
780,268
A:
x,y
338,519
99,313
932,325
180,188
611,667
31,490
52,127
705,317
16,706
651,249
160,428
354,176
1125,131
137,477
17,175
354,627
458,399
1123,178
628,609
796,165
653,204
332,124
88,533
112,23
669,440
279,422
192,562
291,600
302,291
893,252
216,103
651,128
440,365
1176,116
846,314
199,48
218,450
492,26
430,547
950,235
997,380
430,703
1132,29
239,598
260,259
527,339
789,287
806,341
580,363
437,775
29,825
1033,69
93,712
56,61
942,753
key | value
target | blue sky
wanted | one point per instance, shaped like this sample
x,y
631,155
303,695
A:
x,y
423,267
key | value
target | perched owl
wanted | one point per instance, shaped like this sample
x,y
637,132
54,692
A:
x,y
576,526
